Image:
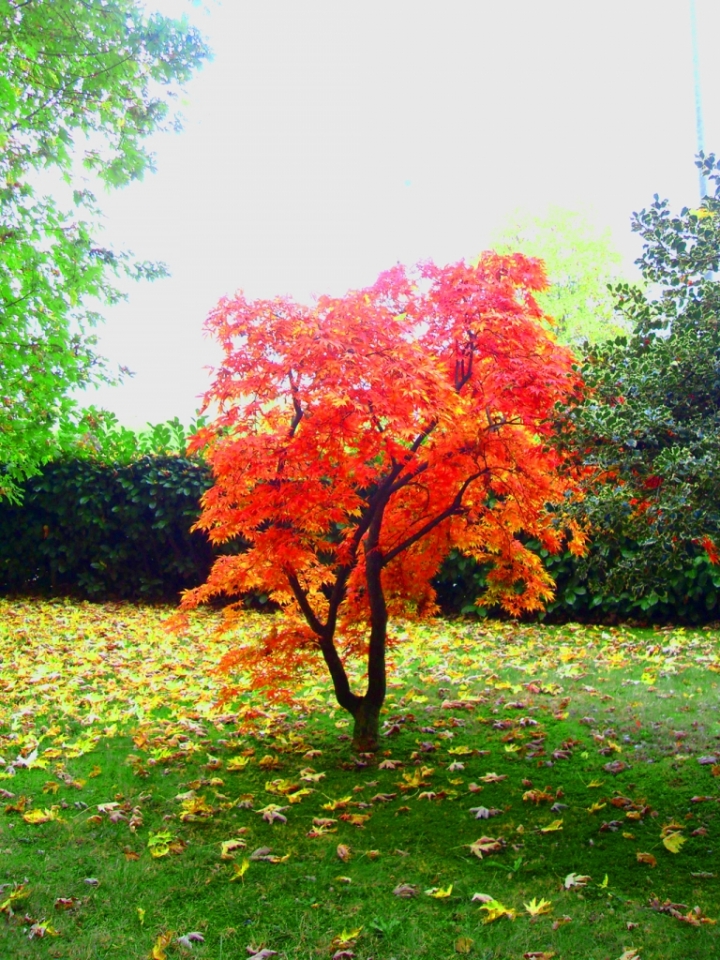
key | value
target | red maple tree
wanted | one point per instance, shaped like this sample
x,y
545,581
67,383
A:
x,y
360,439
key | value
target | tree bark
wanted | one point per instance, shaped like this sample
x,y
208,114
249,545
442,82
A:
x,y
366,728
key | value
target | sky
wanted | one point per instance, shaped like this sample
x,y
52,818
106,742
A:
x,y
326,142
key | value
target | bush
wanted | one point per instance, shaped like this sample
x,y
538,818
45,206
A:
x,y
107,530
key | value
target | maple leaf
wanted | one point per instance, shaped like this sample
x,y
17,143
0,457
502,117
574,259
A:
x,y
346,938
552,827
537,908
494,777
343,852
486,845
240,869
647,858
464,944
273,812
405,890
187,940
673,842
494,910
158,950
41,816
229,847
573,880
439,893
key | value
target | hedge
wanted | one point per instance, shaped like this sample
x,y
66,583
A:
x,y
107,530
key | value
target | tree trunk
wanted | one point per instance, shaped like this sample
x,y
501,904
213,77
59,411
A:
x,y
367,726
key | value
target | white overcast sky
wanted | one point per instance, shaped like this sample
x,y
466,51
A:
x,y
327,141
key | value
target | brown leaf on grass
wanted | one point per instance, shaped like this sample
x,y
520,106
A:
x,y
539,955
561,921
405,890
486,845
616,766
647,858
464,944
343,852
66,903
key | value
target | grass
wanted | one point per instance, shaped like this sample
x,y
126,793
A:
x,y
600,740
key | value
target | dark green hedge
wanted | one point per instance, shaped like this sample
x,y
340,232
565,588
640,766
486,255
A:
x,y
107,530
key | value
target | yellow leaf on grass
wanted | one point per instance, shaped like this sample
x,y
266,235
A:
x,y
537,908
237,763
346,939
673,842
596,807
464,944
158,950
552,827
439,892
495,910
41,816
141,914
240,869
605,882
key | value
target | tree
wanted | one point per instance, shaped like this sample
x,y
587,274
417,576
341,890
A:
x,y
360,439
649,427
82,84
580,261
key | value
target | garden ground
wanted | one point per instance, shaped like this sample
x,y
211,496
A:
x,y
540,792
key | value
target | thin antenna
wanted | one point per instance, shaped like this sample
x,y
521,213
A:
x,y
698,97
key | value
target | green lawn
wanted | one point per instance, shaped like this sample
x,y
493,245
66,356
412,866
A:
x,y
541,792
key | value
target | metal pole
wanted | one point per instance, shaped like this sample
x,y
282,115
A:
x,y
698,96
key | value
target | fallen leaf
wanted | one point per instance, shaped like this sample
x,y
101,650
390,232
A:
x,y
647,858
464,944
343,852
537,908
573,880
439,892
494,910
673,842
240,869
486,845
552,827
405,890
187,940
230,847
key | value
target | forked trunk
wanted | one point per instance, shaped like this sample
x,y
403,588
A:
x,y
366,726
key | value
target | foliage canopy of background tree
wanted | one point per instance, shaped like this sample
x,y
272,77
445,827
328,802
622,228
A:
x,y
360,439
82,84
580,261
649,427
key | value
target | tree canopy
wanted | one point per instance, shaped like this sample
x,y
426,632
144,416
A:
x,y
580,260
649,427
360,439
83,83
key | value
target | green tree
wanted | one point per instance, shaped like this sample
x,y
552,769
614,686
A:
x,y
580,262
83,83
649,425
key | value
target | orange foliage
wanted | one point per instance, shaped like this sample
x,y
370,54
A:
x,y
380,430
